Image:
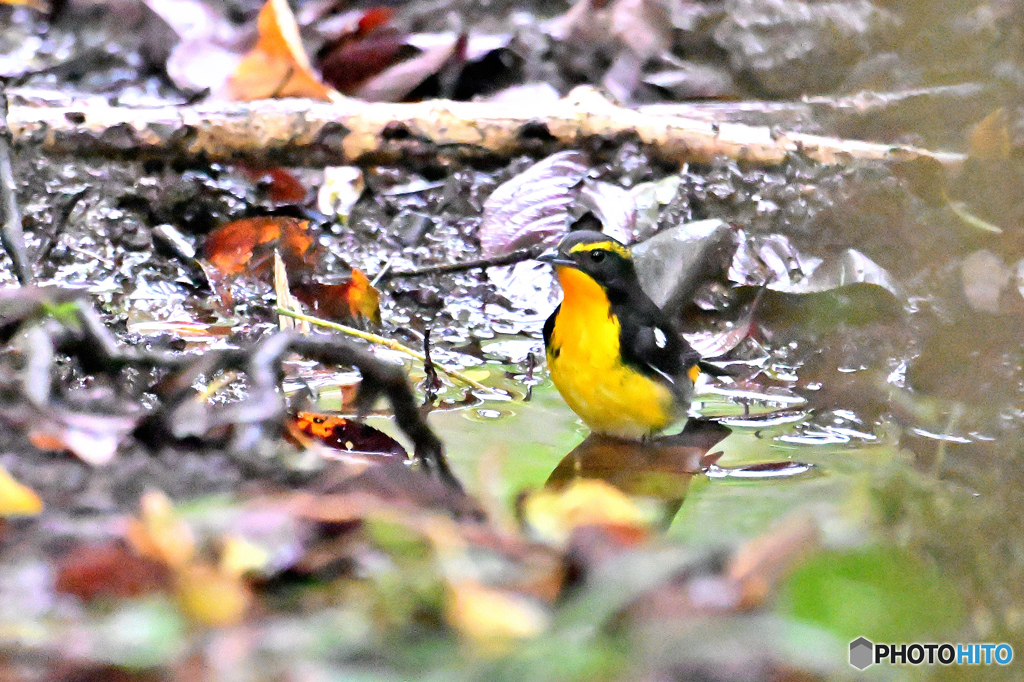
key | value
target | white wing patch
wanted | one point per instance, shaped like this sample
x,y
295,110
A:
x,y
659,338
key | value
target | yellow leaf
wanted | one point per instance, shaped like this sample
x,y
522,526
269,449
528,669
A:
x,y
210,597
553,514
240,556
16,499
494,618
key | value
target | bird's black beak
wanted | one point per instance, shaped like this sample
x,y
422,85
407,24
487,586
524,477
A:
x,y
555,258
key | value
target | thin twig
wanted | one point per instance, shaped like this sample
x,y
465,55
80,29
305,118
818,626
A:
x,y
216,385
383,271
478,264
382,341
61,213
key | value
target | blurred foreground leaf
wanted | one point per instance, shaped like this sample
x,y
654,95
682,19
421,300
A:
x,y
882,593
16,499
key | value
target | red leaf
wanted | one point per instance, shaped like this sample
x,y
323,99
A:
x,y
110,570
350,62
283,187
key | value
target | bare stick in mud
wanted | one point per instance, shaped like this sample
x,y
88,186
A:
x,y
308,133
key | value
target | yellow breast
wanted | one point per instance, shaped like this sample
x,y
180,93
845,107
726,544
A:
x,y
583,359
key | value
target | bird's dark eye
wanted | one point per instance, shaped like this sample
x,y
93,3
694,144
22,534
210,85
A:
x,y
597,255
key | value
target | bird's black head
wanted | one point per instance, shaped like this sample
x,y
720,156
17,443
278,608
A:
x,y
604,259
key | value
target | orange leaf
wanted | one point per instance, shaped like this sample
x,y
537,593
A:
x,y
277,66
37,5
352,300
343,434
248,245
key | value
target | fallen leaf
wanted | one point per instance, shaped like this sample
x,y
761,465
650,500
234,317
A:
x,y
109,570
355,299
277,66
494,619
212,597
552,515
159,534
92,438
396,82
17,499
248,246
344,434
531,208
990,138
285,299
210,46
353,56
281,185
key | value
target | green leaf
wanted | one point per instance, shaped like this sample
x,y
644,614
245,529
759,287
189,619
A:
x,y
882,593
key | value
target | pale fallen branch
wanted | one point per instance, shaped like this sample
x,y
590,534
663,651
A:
x,y
308,133
382,341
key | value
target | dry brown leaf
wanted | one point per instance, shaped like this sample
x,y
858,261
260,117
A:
x,y
759,565
17,499
990,138
247,246
277,66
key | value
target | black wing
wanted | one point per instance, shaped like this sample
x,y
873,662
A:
x,y
652,344
549,326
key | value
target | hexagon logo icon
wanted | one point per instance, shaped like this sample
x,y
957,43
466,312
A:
x,y
862,653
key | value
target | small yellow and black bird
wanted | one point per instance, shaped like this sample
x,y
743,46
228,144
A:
x,y
615,357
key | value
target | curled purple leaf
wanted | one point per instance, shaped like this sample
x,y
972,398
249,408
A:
x,y
532,207
615,207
